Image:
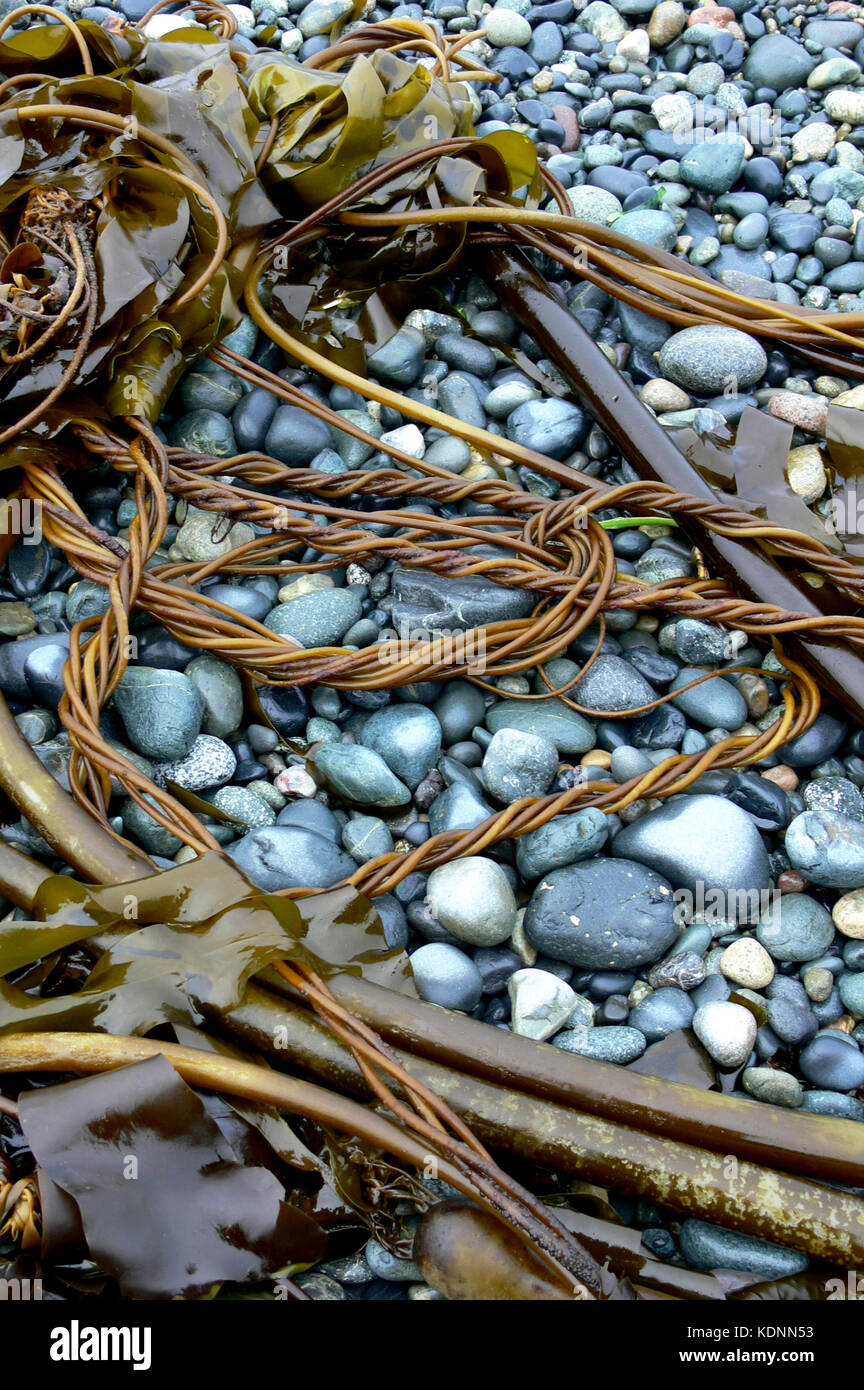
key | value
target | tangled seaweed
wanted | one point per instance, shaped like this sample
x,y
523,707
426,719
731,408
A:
x,y
148,190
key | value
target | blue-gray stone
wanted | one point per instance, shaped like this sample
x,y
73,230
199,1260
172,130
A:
x,y
618,1045
833,1103
662,1013
407,737
790,1012
833,1063
161,710
219,687
459,709
562,840
244,806
715,703
152,836
779,62
290,856
612,685
651,226
205,432
360,775
714,165
827,848
319,619
365,837
552,427
313,815
708,1247
550,719
852,992
15,655
400,360
795,927
703,844
835,794
433,603
447,976
708,357
606,914
294,437
460,807
518,764
816,744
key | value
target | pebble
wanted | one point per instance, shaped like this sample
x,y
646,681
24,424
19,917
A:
x,y
360,775
746,962
605,914
620,1045
505,28
365,837
727,1031
709,1247
806,473
445,975
407,737
827,848
612,685
247,808
715,703
219,686
795,927
832,1062
773,1086
704,844
541,1003
518,764
290,856
318,619
549,719
848,915
561,841
209,763
473,899
662,1013
161,710
550,427
706,358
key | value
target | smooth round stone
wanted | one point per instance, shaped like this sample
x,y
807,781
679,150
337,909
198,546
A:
x,y
715,703
795,928
706,358
473,899
727,1031
751,231
450,453
161,710
252,418
552,427
290,856
852,992
662,1013
86,600
407,737
817,744
152,836
713,166
848,914
778,62
620,1045
365,837
204,432
700,643
445,975
605,914
834,794
708,1247
747,963
613,685
760,798
360,775
243,599
460,807
651,226
209,763
211,389
703,844
43,672
459,709
540,1002
383,1265
309,814
219,687
562,840
247,808
833,1103
517,764
790,1012
827,848
773,1086
318,619
294,437
400,360
832,1064
549,719
285,707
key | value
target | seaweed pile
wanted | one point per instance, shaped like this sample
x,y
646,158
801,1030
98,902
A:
x,y
148,190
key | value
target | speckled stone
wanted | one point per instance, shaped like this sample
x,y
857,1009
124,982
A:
x,y
605,914
711,1247
707,357
518,764
827,848
747,963
619,1045
773,1086
245,806
209,763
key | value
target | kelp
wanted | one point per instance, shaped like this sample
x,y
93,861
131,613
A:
x,y
142,1131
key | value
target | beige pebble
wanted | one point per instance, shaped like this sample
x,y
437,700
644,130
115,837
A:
x,y
782,776
848,914
662,395
305,584
747,963
666,22
806,473
520,943
818,983
830,386
807,412
853,398
598,757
